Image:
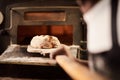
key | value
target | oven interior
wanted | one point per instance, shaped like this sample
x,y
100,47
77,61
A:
x,y
61,22
63,32
26,22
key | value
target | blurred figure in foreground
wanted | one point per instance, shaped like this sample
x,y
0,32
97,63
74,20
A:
x,y
103,38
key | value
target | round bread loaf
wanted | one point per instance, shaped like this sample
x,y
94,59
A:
x,y
44,42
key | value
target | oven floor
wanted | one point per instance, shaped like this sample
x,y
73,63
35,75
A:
x,y
17,64
16,54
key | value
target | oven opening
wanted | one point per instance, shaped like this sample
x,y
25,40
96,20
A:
x,y
63,32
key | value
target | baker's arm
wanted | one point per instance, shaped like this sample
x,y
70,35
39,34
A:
x,y
76,70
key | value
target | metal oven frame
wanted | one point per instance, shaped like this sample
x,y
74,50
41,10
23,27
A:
x,y
15,17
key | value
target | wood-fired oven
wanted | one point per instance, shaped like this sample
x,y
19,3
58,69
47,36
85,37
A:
x,y
60,21
27,18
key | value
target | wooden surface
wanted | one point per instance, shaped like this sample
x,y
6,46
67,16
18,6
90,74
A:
x,y
76,70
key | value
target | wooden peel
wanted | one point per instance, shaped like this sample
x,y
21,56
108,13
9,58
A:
x,y
75,70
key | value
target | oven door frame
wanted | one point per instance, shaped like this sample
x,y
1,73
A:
x,y
15,18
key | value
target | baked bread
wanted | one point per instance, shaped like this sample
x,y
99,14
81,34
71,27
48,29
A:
x,y
44,42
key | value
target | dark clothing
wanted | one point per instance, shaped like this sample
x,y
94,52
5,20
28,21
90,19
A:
x,y
108,63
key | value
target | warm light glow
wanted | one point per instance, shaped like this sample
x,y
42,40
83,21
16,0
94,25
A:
x,y
45,16
63,32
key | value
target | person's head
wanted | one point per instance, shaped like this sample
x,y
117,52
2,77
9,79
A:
x,y
85,5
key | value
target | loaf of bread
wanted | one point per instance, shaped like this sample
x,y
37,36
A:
x,y
44,42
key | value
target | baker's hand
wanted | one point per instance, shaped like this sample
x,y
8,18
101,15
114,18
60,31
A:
x,y
61,50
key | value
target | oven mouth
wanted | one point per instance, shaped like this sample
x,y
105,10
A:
x,y
24,24
24,20
64,33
